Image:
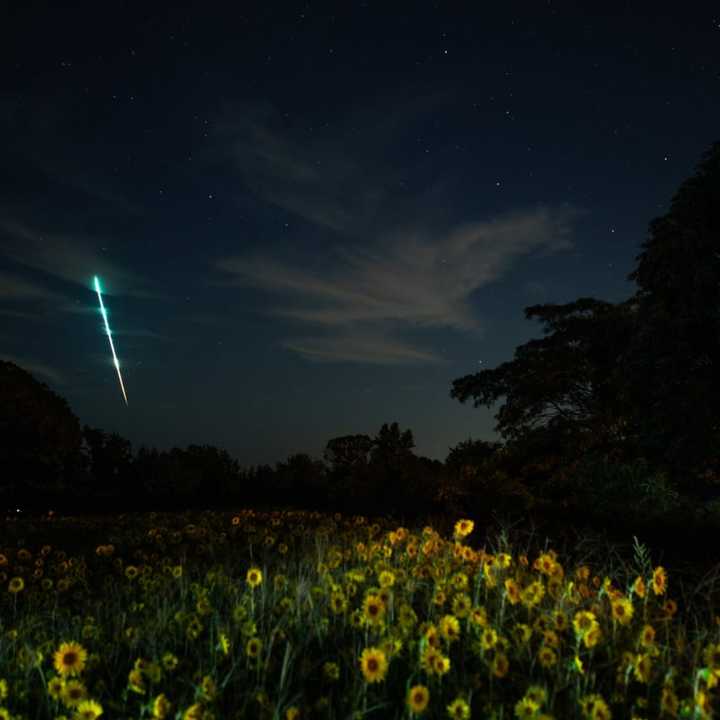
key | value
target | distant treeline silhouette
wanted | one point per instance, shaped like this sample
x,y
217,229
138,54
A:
x,y
615,411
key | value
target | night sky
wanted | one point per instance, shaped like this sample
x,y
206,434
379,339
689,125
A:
x,y
308,220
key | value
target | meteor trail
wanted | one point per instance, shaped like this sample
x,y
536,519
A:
x,y
107,330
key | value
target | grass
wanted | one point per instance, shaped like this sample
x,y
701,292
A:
x,y
288,614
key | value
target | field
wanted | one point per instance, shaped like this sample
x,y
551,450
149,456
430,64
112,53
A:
x,y
288,614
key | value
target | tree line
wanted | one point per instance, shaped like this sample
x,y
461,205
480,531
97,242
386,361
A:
x,y
617,403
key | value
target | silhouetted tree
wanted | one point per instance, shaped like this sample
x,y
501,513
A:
x,y
40,441
300,481
466,458
560,400
670,367
110,462
391,469
347,452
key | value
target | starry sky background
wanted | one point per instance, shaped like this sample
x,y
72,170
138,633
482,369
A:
x,y
310,219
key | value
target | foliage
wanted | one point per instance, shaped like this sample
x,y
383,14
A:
x,y
40,438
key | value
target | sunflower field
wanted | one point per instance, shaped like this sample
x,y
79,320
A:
x,y
281,615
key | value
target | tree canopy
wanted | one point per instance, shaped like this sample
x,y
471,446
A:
x,y
40,437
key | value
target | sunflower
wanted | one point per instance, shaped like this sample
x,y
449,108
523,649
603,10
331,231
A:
x,y
161,707
488,638
5,714
16,585
500,665
592,636
461,604
331,671
599,710
386,579
458,709
478,616
418,698
450,628
622,610
55,687
583,622
659,580
647,635
522,633
463,528
88,710
373,609
69,659
169,661
642,668
73,693
292,713
526,709
194,712
131,572
532,594
253,647
547,656
441,664
254,577
638,587
512,591
537,694
373,664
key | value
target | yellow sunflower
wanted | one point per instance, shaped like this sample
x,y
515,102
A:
x,y
69,659
512,591
73,693
464,527
418,698
88,710
253,647
373,609
194,712
526,709
458,709
55,687
622,610
547,656
500,665
373,664
254,577
161,707
659,580
450,628
16,585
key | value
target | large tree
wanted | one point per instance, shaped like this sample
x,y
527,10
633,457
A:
x,y
40,439
670,366
347,452
559,395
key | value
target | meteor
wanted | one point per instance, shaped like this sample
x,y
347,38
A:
x,y
107,330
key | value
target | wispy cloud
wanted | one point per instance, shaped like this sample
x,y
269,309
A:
x,y
364,299
391,271
69,257
13,287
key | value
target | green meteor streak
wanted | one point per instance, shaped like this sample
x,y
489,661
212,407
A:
x,y
107,330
